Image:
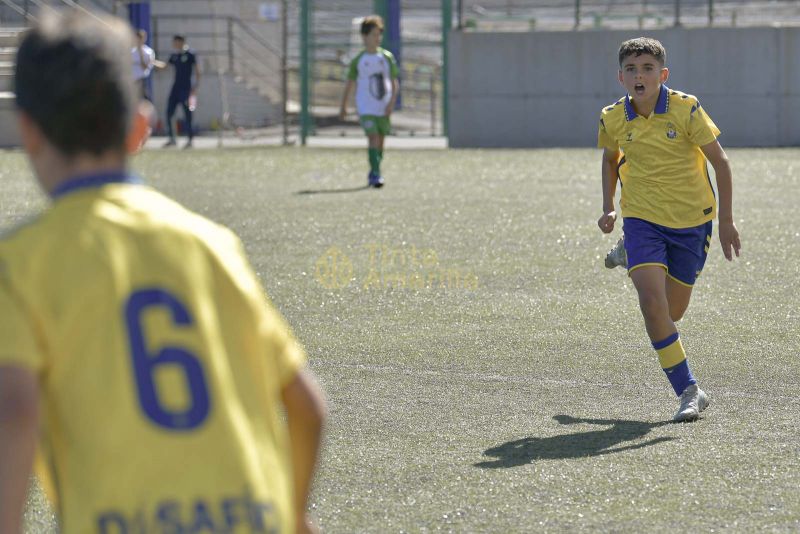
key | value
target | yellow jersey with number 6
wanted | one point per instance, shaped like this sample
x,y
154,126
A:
x,y
160,363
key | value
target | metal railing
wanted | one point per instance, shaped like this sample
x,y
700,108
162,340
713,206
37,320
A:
x,y
22,11
240,44
237,50
26,8
531,15
420,87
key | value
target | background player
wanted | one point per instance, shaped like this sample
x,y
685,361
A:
x,y
656,141
135,339
373,73
184,90
144,60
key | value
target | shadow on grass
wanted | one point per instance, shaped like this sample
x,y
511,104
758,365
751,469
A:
x,y
330,191
592,443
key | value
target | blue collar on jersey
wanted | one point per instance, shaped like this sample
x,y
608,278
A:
x,y
88,181
662,105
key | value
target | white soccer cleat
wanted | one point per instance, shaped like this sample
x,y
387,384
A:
x,y
617,257
693,401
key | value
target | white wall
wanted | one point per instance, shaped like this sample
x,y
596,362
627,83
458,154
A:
x,y
547,88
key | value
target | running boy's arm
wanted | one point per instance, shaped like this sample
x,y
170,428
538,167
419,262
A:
x,y
610,175
19,427
728,234
348,90
196,77
394,74
305,411
395,91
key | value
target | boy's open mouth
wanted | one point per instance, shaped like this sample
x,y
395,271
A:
x,y
639,88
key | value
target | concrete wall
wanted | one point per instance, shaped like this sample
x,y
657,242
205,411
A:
x,y
547,88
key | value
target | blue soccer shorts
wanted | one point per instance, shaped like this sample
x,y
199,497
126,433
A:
x,y
681,251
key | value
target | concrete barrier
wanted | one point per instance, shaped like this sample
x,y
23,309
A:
x,y
543,89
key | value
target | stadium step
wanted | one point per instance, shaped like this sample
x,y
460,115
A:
x,y
8,121
7,54
9,38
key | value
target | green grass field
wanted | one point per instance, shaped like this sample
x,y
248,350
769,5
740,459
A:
x,y
485,372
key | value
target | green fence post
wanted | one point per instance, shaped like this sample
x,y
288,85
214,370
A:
x,y
305,70
447,24
380,7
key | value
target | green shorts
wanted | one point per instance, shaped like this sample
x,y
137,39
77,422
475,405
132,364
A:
x,y
373,124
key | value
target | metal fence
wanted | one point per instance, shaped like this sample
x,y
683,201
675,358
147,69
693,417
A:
x,y
331,38
532,15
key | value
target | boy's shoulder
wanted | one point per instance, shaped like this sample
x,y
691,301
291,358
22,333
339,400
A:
x,y
676,101
386,53
682,101
154,209
357,57
19,231
614,109
379,52
145,209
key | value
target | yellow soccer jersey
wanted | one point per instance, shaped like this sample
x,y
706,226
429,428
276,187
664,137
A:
x,y
664,173
160,363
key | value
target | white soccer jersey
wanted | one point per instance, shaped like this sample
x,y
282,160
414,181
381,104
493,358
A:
x,y
373,74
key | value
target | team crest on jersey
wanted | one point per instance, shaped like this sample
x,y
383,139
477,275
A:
x,y
671,133
629,138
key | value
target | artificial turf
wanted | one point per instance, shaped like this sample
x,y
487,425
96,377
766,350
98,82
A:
x,y
484,371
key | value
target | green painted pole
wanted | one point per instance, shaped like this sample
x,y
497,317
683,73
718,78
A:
x,y
380,7
447,24
305,70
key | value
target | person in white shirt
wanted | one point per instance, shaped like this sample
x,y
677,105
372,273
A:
x,y
144,59
374,75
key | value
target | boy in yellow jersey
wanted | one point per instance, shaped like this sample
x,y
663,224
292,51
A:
x,y
373,74
656,141
136,343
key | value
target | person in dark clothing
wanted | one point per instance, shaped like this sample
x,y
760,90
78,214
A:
x,y
183,90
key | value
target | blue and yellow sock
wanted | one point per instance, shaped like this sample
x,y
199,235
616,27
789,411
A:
x,y
673,361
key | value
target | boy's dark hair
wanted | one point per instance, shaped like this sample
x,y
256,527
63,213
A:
x,y
372,21
179,37
643,45
73,79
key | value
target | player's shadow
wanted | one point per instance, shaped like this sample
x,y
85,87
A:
x,y
332,191
577,445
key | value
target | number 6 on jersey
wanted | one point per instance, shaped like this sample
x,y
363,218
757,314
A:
x,y
146,364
